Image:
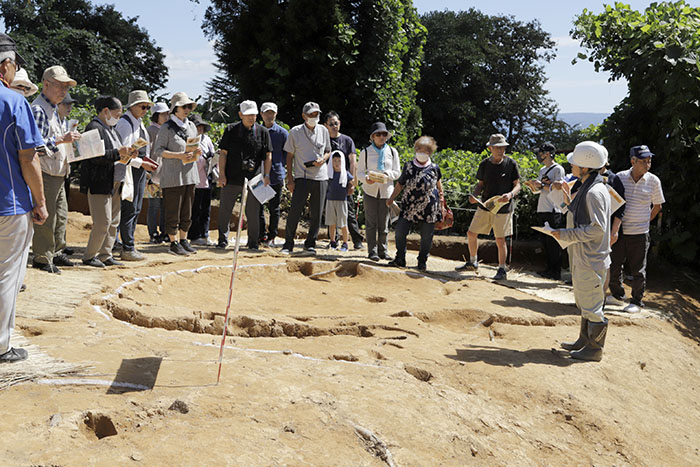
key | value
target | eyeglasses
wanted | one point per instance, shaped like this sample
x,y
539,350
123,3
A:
x,y
62,87
14,62
145,107
382,134
333,124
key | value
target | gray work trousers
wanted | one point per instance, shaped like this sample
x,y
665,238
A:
x,y
15,237
105,214
376,225
303,189
229,195
50,237
589,292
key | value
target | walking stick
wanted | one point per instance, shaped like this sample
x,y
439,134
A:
x,y
244,198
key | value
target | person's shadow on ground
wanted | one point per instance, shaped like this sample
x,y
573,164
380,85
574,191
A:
x,y
498,356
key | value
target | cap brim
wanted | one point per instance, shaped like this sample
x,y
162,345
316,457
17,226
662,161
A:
x,y
250,112
19,59
497,145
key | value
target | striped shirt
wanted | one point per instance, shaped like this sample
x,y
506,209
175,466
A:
x,y
639,198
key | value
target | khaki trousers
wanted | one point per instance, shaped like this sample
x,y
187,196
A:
x,y
50,238
105,214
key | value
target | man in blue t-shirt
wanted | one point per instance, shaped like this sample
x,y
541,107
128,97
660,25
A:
x,y
279,136
336,200
21,194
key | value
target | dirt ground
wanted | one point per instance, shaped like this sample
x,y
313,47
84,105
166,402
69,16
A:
x,y
334,360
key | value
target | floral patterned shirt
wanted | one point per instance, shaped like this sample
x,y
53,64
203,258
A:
x,y
420,200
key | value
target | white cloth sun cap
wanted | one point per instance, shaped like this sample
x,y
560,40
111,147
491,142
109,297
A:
x,y
159,107
248,108
22,79
268,106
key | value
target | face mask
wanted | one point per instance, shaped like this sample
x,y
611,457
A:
x,y
422,157
111,121
312,121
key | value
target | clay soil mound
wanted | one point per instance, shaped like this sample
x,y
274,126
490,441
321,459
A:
x,y
335,360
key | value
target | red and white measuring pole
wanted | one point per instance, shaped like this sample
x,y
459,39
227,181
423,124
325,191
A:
x,y
244,198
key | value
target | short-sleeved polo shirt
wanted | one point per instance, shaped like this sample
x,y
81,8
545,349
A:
x,y
307,146
18,131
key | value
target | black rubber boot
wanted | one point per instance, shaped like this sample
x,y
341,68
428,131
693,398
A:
x,y
582,338
593,350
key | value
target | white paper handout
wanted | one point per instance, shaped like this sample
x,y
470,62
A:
x,y
547,230
263,193
193,143
533,186
90,145
615,199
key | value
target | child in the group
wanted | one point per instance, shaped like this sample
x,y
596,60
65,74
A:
x,y
336,200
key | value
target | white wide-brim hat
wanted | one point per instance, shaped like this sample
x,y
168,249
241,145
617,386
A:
x,y
22,79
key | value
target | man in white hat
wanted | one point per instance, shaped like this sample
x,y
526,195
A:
x,y
497,175
50,238
308,150
245,148
131,128
278,136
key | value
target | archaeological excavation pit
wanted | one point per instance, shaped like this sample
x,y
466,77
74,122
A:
x,y
294,299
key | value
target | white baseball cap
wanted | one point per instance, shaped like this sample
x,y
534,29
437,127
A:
x,y
248,108
268,106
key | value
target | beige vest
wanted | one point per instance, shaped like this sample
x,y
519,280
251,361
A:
x,y
54,163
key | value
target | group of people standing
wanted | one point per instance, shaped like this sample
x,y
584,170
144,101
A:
x,y
175,165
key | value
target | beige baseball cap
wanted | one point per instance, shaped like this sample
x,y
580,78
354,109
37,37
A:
x,y
58,73
138,97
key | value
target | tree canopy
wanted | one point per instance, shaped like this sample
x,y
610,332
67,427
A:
x,y
98,46
484,74
361,58
658,52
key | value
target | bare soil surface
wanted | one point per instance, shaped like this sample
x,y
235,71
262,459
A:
x,y
335,360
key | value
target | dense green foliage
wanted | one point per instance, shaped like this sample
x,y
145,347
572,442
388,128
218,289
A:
x,y
658,52
360,58
96,44
485,74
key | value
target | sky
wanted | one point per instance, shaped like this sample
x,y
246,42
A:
x,y
175,25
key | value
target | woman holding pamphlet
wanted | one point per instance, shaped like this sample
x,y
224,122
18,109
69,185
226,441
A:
x,y
178,145
97,180
378,167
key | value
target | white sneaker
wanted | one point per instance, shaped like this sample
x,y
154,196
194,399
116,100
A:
x,y
611,300
632,308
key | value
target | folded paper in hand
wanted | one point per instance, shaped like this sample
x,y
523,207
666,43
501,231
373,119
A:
x,y
532,186
263,193
492,204
193,143
90,145
377,177
547,230
139,143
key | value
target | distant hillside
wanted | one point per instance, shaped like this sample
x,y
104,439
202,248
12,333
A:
x,y
582,119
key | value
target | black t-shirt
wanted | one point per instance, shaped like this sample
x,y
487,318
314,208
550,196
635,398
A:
x,y
346,145
498,179
246,150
